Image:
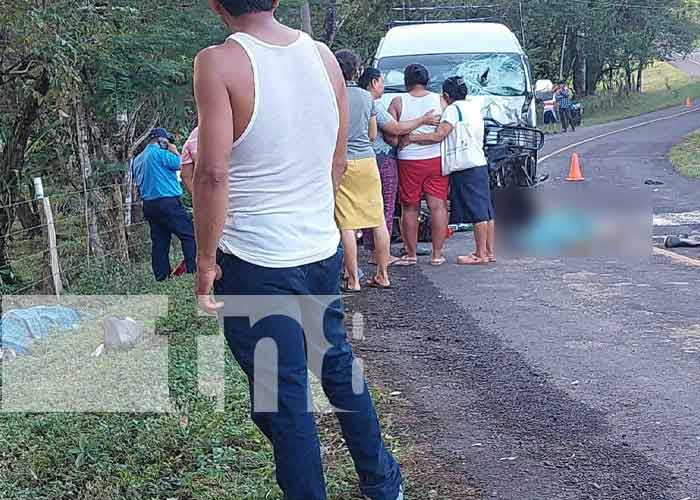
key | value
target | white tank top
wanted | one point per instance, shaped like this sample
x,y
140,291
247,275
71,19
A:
x,y
281,201
415,107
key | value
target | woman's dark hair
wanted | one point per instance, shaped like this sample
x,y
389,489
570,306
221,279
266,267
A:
x,y
416,74
240,7
369,75
349,63
455,88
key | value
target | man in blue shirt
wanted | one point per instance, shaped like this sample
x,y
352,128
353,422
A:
x,y
155,173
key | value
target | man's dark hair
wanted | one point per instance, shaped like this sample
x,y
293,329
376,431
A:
x,y
455,88
240,7
349,63
369,75
416,74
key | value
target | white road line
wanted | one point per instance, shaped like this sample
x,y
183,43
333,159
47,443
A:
x,y
631,127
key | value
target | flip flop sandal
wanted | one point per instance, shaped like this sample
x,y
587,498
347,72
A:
x,y
350,291
471,260
405,262
438,262
373,283
492,258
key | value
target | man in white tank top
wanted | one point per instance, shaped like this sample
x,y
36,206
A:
x,y
273,129
420,168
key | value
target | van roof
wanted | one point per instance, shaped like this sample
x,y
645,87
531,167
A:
x,y
448,38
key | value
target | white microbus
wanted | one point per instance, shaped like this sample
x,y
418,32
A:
x,y
487,55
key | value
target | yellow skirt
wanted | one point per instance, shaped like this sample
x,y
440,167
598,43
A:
x,y
359,203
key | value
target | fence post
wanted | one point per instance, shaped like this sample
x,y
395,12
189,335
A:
x,y
47,222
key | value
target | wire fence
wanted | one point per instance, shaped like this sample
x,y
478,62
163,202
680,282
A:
x,y
93,228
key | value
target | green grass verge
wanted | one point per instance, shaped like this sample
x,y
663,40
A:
x,y
686,156
664,87
194,453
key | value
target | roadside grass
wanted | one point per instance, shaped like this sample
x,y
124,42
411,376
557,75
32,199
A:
x,y
663,87
193,453
686,156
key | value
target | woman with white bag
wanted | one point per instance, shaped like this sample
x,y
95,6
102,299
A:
x,y
462,136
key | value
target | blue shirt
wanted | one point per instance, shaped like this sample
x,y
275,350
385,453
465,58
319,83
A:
x,y
155,173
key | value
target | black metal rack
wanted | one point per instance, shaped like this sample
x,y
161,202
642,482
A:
x,y
407,14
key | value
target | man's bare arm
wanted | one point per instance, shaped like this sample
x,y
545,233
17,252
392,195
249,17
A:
x,y
340,158
210,197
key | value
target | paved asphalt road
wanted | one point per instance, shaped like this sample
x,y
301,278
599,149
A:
x,y
620,340
689,64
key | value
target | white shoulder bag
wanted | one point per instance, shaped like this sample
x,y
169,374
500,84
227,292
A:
x,y
464,147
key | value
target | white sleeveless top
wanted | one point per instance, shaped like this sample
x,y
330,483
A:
x,y
281,200
415,107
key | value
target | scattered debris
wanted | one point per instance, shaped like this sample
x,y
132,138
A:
x,y
121,333
653,182
507,459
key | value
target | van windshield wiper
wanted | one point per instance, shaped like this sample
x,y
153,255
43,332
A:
x,y
397,89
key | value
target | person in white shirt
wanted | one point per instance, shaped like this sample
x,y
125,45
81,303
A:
x,y
470,189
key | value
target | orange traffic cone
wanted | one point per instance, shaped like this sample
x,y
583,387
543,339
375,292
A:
x,y
575,169
688,102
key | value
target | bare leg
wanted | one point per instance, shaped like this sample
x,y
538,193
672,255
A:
x,y
481,235
438,215
491,240
381,254
409,229
350,251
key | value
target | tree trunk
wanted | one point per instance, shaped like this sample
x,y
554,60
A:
x,y
330,24
563,51
11,166
580,66
29,218
82,144
306,25
640,84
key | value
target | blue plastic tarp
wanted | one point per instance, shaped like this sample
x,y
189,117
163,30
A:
x,y
20,327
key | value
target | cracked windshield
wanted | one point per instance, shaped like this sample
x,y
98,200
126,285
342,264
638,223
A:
x,y
485,74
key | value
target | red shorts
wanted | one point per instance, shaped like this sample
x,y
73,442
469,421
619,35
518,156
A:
x,y
418,177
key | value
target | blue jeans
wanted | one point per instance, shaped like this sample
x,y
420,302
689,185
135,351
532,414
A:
x,y
167,216
291,429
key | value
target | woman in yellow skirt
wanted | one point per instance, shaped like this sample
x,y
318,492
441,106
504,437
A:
x,y
359,203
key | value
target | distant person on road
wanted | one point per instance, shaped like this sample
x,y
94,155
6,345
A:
x,y
385,149
273,138
563,98
155,173
420,168
358,202
470,192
